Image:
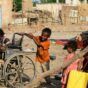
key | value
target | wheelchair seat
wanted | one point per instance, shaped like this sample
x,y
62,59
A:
x,y
16,42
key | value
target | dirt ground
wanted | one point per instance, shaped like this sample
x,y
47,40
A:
x,y
58,32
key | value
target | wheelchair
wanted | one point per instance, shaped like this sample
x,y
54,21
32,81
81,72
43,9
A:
x,y
18,69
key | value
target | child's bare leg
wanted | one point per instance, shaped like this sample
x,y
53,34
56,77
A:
x,y
45,67
1,62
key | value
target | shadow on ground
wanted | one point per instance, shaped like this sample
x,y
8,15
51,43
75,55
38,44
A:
x,y
55,84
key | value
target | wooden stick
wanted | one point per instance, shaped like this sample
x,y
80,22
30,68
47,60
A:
x,y
57,69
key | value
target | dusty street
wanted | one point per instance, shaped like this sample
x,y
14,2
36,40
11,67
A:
x,y
58,32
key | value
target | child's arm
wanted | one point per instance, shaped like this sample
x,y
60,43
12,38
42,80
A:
x,y
30,35
80,64
35,40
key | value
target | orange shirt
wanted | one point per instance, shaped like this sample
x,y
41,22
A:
x,y
42,54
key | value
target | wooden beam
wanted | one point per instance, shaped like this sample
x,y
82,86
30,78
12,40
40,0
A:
x,y
57,69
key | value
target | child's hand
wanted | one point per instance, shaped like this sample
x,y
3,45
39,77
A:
x,y
31,35
79,67
21,33
80,64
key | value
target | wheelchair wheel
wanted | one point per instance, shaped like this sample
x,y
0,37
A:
x,y
19,70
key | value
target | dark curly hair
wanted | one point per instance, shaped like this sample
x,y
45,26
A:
x,y
84,36
1,32
72,44
47,30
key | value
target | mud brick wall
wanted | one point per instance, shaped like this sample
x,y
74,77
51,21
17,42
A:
x,y
6,12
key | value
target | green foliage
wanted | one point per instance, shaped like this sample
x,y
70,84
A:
x,y
34,4
51,1
81,0
48,1
62,1
17,5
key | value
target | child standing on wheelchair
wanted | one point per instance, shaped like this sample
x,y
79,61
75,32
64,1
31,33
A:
x,y
42,54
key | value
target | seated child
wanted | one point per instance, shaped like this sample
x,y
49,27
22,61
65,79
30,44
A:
x,y
71,49
3,42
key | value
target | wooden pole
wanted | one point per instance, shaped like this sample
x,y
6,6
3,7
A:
x,y
57,69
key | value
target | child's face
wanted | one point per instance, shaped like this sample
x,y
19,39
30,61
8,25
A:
x,y
45,36
78,38
69,50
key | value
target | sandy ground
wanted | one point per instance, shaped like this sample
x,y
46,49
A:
x,y
58,32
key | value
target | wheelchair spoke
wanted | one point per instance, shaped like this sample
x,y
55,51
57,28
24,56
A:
x,y
19,61
14,80
11,73
12,66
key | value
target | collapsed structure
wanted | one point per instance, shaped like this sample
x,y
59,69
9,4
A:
x,y
72,12
7,6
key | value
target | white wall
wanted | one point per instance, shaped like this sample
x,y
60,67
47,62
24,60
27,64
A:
x,y
72,2
68,2
53,8
75,2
